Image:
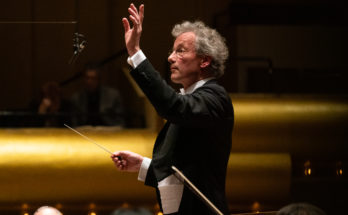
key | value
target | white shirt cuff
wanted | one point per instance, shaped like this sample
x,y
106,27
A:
x,y
143,169
171,190
136,59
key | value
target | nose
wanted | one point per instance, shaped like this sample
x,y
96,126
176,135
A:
x,y
171,58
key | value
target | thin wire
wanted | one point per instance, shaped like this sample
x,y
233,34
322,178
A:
x,y
89,139
39,22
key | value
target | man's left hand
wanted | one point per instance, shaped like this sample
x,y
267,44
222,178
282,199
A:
x,y
132,35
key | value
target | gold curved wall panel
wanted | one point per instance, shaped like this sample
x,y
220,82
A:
x,y
258,177
288,123
57,165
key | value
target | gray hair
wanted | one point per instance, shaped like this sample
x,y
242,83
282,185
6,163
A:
x,y
300,209
208,43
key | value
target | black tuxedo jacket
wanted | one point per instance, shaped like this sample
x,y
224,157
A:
x,y
196,138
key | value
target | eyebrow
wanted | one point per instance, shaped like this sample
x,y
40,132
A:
x,y
179,46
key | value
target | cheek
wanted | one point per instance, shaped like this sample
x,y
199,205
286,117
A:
x,y
191,66
189,63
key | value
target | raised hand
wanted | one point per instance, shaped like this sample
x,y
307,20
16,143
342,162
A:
x,y
132,35
127,161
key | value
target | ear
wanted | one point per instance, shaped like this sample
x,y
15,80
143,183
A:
x,y
205,61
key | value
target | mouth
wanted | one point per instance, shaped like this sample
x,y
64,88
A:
x,y
172,68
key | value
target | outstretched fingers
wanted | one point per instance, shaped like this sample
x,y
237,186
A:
x,y
126,25
134,21
141,13
133,8
133,28
136,16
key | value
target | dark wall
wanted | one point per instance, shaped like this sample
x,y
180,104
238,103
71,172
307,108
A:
x,y
32,54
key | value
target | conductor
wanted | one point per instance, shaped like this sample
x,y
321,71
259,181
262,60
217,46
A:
x,y
197,135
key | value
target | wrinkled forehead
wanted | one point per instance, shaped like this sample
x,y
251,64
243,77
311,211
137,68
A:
x,y
185,40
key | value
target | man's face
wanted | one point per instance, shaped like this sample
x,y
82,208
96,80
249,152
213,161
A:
x,y
184,62
91,80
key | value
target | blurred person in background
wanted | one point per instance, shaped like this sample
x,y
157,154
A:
x,y
300,209
96,105
52,109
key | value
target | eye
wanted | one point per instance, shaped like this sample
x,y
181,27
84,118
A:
x,y
180,51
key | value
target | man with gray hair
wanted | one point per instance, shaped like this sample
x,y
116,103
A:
x,y
197,135
47,210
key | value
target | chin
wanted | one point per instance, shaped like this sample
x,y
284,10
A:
x,y
174,79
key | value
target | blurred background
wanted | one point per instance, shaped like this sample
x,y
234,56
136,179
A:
x,y
287,75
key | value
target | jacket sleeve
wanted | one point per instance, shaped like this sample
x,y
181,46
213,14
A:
x,y
205,106
150,177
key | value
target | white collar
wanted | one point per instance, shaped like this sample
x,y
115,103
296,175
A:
x,y
195,86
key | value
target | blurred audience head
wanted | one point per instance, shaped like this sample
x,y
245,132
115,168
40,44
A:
x,y
91,77
47,210
50,90
127,211
50,98
300,209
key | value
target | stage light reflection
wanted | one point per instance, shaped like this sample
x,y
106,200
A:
x,y
255,207
339,168
307,168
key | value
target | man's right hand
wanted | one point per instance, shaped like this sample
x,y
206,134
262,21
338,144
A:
x,y
132,35
127,161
